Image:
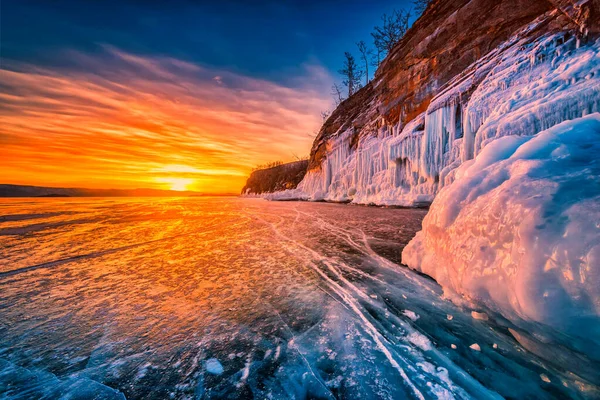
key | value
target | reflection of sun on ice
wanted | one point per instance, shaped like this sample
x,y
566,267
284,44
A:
x,y
179,184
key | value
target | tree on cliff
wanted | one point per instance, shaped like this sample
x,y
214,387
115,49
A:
x,y
268,165
366,54
336,92
394,27
351,73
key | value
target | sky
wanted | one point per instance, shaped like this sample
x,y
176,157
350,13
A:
x,y
168,95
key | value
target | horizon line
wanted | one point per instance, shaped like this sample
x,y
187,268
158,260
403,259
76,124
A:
x,y
99,192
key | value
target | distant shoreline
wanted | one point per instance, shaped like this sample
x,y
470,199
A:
x,y
114,196
26,191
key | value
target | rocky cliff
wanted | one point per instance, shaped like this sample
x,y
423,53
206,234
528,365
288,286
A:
x,y
449,37
281,177
447,89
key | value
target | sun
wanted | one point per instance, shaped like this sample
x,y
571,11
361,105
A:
x,y
179,184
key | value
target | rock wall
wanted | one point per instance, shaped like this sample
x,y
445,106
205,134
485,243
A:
x,y
449,37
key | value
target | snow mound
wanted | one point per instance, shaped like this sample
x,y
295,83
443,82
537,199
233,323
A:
x,y
286,195
518,231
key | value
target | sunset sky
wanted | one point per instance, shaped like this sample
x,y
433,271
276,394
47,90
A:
x,y
170,95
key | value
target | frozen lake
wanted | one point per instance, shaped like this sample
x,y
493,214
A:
x,y
240,298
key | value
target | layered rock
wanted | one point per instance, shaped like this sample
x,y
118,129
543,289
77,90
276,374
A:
x,y
442,44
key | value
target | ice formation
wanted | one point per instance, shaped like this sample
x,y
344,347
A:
x,y
521,88
214,367
518,231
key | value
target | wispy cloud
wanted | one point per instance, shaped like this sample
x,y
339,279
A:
x,y
123,120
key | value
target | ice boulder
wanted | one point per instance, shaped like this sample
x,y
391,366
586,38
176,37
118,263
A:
x,y
214,367
518,231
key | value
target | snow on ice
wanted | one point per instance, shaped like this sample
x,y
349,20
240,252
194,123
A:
x,y
519,232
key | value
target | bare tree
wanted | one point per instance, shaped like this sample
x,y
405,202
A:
x,y
325,114
366,55
336,92
421,5
268,165
376,59
351,73
393,28
300,158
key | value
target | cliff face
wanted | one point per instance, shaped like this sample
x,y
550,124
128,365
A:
x,y
282,177
452,84
585,13
449,37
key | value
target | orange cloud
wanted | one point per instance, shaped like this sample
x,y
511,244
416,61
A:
x,y
120,120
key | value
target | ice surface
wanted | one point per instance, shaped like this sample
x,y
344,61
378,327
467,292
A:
x,y
411,314
519,232
521,88
295,300
21,383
